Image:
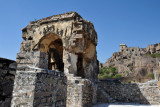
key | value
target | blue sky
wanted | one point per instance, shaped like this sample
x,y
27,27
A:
x,y
133,22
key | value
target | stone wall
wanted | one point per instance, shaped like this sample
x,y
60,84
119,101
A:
x,y
144,93
150,49
80,92
89,93
39,88
50,90
7,75
33,59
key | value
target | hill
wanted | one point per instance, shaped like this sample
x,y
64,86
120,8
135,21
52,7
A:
x,y
135,64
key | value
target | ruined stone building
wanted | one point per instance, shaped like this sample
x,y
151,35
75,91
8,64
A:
x,y
57,66
134,63
150,49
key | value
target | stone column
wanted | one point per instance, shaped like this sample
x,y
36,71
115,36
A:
x,y
158,78
156,75
70,62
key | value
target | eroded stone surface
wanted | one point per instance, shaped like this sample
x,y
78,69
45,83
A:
x,y
39,88
7,75
77,37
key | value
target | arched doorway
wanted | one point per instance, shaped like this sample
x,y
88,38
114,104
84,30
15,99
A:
x,y
53,46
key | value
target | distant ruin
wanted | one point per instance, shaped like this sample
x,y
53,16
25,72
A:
x,y
151,49
134,63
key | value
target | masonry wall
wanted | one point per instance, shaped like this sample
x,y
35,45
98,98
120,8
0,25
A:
x,y
88,93
144,93
80,92
39,88
7,75
50,90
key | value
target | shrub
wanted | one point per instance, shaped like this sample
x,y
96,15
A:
x,y
117,76
129,82
108,73
154,55
151,75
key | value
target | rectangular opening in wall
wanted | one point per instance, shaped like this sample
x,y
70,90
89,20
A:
x,y
80,70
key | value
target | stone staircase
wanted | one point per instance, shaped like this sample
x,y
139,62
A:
x,y
71,76
79,91
75,86
106,96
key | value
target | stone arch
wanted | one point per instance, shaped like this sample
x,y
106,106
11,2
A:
x,y
53,46
78,43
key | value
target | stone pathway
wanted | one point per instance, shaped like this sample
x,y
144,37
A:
x,y
124,105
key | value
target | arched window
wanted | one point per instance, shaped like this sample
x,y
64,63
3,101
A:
x,y
52,44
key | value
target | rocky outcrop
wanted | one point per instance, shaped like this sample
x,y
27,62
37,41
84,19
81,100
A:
x,y
154,48
7,75
134,63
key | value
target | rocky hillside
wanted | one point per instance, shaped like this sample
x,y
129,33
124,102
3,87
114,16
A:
x,y
136,64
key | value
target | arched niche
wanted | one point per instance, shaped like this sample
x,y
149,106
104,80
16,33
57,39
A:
x,y
53,46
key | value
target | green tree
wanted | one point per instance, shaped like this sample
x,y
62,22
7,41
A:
x,y
108,73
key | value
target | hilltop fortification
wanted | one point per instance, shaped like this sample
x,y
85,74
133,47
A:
x,y
134,63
